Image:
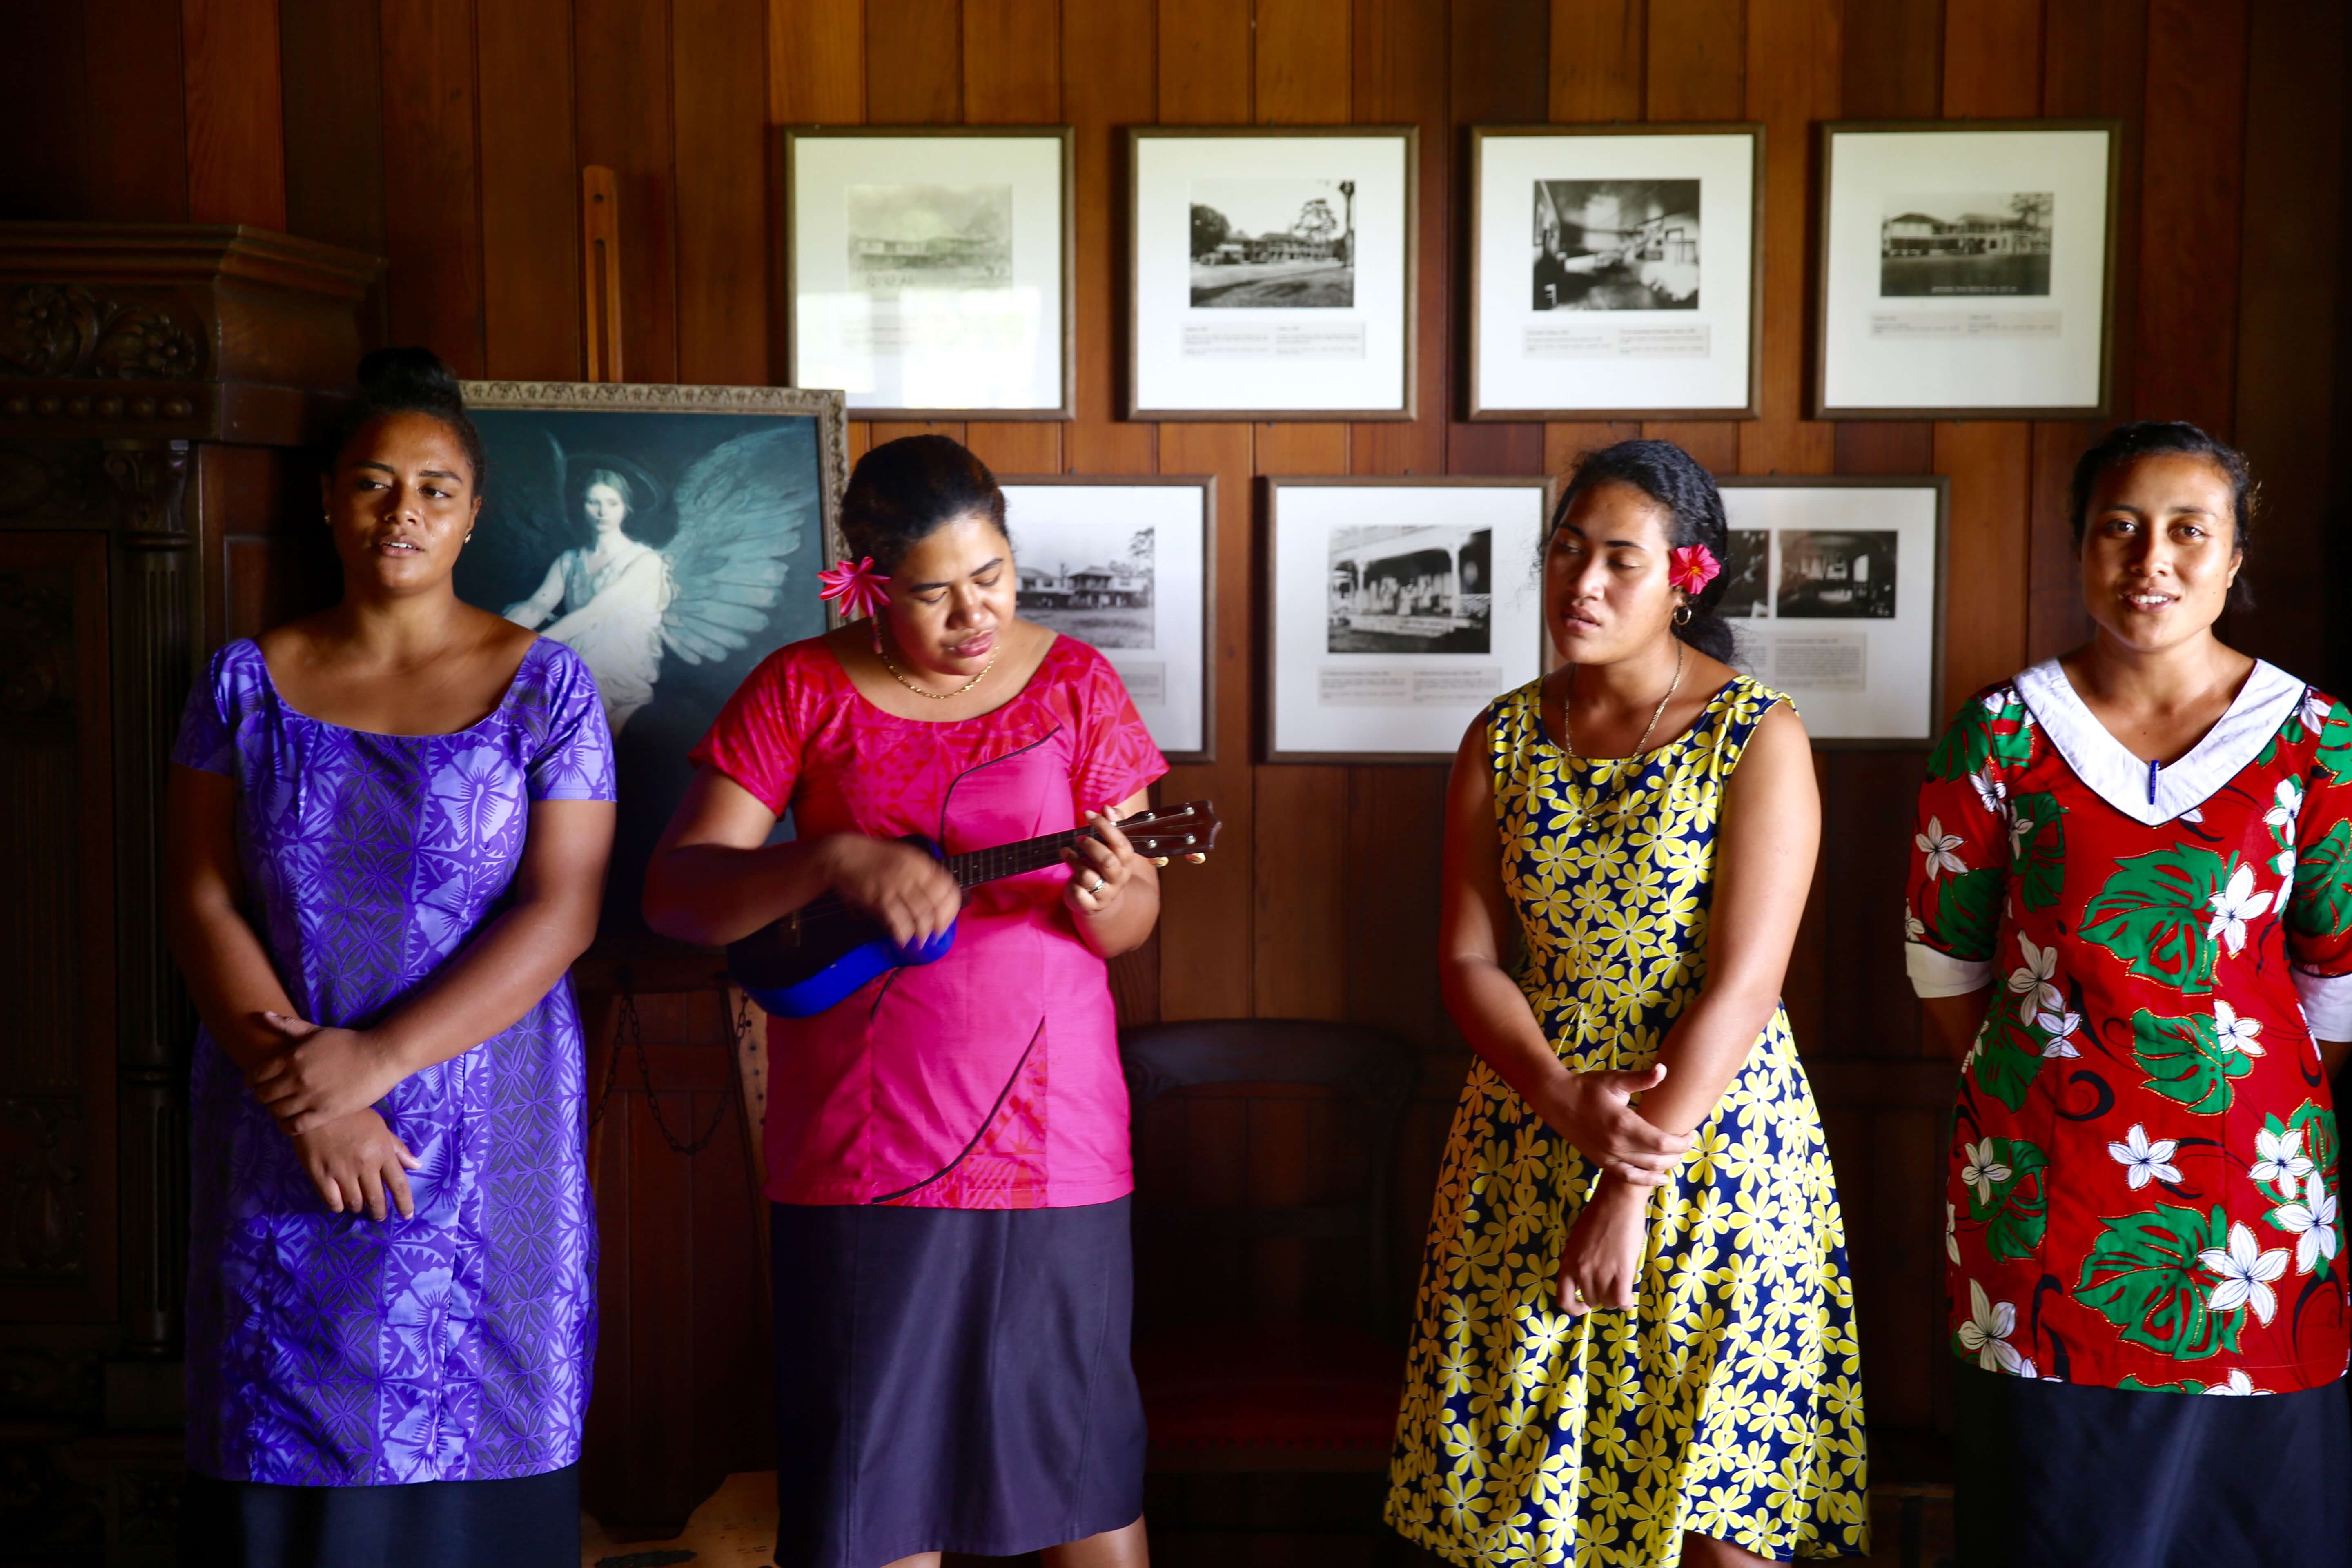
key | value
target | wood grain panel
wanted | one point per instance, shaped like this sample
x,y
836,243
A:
x,y
1300,893
433,233
44,113
2189,192
720,94
334,122
1205,945
1893,65
1012,63
1207,73
2094,65
1795,59
236,133
2055,619
881,430
1867,803
916,75
621,63
1107,81
1016,446
1993,58
1696,59
1496,58
1297,447
1495,449
817,62
137,162
1885,446
1304,61
1565,442
530,193
1401,78
1396,830
1989,463
2288,402
1597,63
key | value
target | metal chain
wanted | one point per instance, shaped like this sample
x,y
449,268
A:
x,y
629,1031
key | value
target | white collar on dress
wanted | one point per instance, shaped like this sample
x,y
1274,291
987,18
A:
x,y
2120,779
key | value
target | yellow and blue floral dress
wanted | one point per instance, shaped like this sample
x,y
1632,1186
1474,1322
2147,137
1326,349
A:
x,y
1727,1403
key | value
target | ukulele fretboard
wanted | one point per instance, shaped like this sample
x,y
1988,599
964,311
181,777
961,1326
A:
x,y
1012,859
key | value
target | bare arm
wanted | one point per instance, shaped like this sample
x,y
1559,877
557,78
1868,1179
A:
x,y
511,963
1769,834
1119,916
542,604
229,975
1593,1111
1950,1022
715,878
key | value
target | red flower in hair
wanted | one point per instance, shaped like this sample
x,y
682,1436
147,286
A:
x,y
1694,567
858,587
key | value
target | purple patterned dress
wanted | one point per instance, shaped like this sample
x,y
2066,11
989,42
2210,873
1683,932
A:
x,y
333,1350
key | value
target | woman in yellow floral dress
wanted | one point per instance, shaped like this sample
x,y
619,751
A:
x,y
1635,1343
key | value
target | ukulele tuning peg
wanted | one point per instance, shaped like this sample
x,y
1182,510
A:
x,y
1160,859
1198,860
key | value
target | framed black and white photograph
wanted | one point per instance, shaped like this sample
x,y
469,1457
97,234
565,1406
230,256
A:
x,y
1398,608
1967,270
928,269
1836,598
671,536
1128,566
1616,271
1271,272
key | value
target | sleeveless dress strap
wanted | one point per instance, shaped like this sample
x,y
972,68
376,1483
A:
x,y
1732,716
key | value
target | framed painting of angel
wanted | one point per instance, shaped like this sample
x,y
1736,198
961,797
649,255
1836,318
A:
x,y
671,536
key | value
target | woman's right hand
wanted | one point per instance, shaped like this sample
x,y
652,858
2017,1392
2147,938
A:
x,y
355,1161
896,883
1595,1111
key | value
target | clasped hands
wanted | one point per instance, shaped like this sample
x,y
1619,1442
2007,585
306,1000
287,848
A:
x,y
1601,1255
322,1084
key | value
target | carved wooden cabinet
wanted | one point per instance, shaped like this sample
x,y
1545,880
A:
x,y
158,384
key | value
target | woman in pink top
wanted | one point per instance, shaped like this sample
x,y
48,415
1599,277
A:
x,y
947,1149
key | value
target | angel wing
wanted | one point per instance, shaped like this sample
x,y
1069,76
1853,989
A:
x,y
740,510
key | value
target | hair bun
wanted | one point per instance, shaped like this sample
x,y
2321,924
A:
x,y
410,378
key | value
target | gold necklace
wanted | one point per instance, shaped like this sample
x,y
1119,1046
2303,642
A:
x,y
1568,733
934,696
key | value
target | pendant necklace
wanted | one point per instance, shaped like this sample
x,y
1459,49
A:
x,y
1568,731
935,696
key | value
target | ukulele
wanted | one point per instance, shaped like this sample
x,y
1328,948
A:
x,y
824,950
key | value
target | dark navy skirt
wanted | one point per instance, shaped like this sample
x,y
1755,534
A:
x,y
2050,1474
530,1521
952,1380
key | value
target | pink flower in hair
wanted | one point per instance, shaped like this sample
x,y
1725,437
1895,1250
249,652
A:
x,y
1694,567
857,588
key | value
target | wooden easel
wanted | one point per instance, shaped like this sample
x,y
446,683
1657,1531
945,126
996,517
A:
x,y
600,271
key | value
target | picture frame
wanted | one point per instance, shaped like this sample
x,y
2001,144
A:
x,y
1151,612
929,270
1289,255
1380,645
713,508
1965,269
1837,598
1617,272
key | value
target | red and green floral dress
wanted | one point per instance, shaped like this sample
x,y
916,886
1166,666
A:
x,y
2144,1180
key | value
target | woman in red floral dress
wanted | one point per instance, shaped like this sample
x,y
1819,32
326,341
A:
x,y
2130,916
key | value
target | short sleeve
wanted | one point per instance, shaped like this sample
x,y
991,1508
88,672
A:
x,y
1960,847
207,740
1116,756
754,740
2319,907
571,756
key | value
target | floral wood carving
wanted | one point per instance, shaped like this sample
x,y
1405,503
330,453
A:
x,y
54,331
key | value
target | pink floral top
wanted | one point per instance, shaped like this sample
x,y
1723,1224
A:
x,y
2142,1190
990,1079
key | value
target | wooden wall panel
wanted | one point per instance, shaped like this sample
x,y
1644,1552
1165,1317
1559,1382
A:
x,y
1794,67
1304,65
2190,196
622,65
914,62
433,233
1696,59
720,91
531,193
1400,80
1108,81
1596,67
1893,65
44,113
236,141
1012,63
334,122
137,159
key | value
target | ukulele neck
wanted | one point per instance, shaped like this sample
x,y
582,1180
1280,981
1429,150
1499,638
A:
x,y
1003,860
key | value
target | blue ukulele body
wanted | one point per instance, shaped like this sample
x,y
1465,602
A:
x,y
823,953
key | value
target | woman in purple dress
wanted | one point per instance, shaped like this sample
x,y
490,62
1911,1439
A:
x,y
388,827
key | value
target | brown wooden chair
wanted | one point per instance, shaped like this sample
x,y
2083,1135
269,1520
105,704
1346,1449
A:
x,y
1226,1384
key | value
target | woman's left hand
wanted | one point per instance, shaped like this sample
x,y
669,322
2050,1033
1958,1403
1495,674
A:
x,y
321,1075
1100,868
1600,1256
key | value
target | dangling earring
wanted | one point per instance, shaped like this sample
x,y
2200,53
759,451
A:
x,y
468,539
1683,616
